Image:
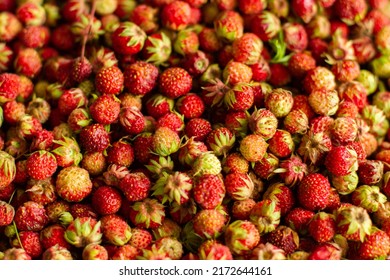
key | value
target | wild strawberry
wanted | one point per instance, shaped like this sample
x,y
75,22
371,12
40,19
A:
x,y
304,9
176,15
322,227
120,153
279,101
158,105
370,172
29,241
209,223
132,120
109,80
196,63
349,11
314,192
66,151
106,200
247,49
145,16
41,191
78,210
324,102
83,231
353,222
7,169
347,109
128,38
7,213
174,187
326,251
41,165
56,209
27,62
214,250
263,122
190,106
209,41
253,147
9,86
12,26
142,147
236,72
265,214
265,167
319,78
157,48
172,120
229,25
295,37
31,14
241,237
73,183
94,252
175,82
16,254
300,63
298,219
140,238
239,186
105,109
148,213
140,77
267,251
215,193
266,25
52,235
239,98
241,208
235,162
186,42
94,138
375,245
115,230
340,161
30,216
368,197
135,186
94,162
281,144
282,195
220,140
165,141
206,163
355,92
125,252
70,100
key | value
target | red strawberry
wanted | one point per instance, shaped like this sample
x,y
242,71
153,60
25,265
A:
x,y
220,141
229,25
128,38
140,238
190,106
198,128
142,147
27,62
175,82
29,241
140,77
80,210
132,120
282,195
71,99
41,165
239,186
236,72
305,9
7,213
375,245
105,109
341,161
298,219
157,48
209,191
94,138
209,223
120,153
172,120
281,144
7,169
135,186
41,191
314,192
176,15
109,80
106,200
52,235
31,216
241,237
239,98
9,86
214,250
285,238
115,230
322,227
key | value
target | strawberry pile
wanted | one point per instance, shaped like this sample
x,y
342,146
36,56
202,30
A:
x,y
194,129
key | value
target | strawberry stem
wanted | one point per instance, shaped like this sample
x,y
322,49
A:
x,y
89,27
17,235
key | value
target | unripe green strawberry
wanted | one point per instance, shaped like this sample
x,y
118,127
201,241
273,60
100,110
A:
x,y
265,215
353,222
94,252
173,187
279,101
368,197
206,163
263,122
345,184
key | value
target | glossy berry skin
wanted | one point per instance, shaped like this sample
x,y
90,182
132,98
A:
x,y
209,191
31,216
135,186
128,38
106,200
175,82
109,80
140,77
314,192
94,138
105,109
41,165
